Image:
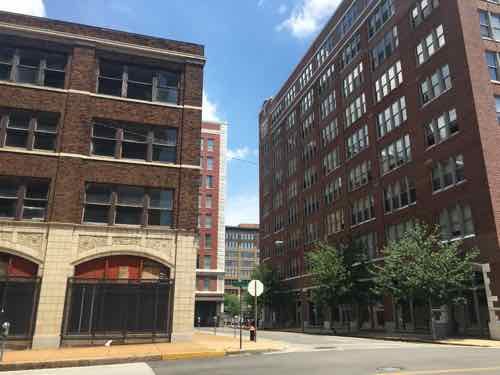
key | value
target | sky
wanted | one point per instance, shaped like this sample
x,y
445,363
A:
x,y
251,46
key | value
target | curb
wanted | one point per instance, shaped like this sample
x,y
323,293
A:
x,y
417,340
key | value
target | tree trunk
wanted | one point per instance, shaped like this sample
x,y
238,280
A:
x,y
431,322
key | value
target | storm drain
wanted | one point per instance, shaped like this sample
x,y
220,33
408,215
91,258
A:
x,y
389,369
324,347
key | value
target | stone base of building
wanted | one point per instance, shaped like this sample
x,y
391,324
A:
x,y
494,330
45,342
183,336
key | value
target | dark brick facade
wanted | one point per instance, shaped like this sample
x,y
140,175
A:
x,y
472,94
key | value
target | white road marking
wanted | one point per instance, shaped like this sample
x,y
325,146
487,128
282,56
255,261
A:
x,y
122,369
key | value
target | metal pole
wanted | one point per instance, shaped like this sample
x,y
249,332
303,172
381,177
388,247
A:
x,y
3,349
255,303
241,322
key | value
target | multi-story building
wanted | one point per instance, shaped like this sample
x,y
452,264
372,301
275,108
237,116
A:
x,y
391,116
99,173
209,298
242,254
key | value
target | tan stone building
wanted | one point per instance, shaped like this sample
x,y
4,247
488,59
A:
x,y
99,173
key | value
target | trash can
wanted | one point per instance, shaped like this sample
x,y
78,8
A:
x,y
253,333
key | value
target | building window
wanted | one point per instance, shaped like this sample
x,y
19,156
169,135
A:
x,y
350,51
492,62
384,11
210,164
208,201
399,195
329,132
209,182
208,241
448,173
367,242
430,45
311,205
353,80
385,48
421,10
310,177
305,76
389,81
206,284
307,125
210,145
292,190
489,24
395,232
208,221
441,128
134,142
331,161
395,155
333,190
357,142
360,175
328,105
207,262
456,222
497,107
392,117
290,121
33,67
362,210
312,233
435,85
335,222
355,110
136,82
23,199
129,205
32,131
325,81
306,103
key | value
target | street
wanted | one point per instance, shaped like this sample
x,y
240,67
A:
x,y
313,354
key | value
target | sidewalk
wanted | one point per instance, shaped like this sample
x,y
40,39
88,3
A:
x,y
204,345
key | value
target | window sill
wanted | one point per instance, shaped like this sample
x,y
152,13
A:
x,y
400,209
443,141
31,86
449,187
435,98
363,222
461,238
395,169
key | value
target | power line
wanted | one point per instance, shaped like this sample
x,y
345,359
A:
x,y
244,161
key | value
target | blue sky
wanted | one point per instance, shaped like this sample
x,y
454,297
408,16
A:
x,y
251,47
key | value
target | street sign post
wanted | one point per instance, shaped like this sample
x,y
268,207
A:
x,y
255,289
241,284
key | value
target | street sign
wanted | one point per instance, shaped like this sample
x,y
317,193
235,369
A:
x,y
241,284
255,288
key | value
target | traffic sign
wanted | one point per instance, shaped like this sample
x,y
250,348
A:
x,y
255,288
241,284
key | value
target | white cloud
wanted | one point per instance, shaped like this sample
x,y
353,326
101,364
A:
x,y
282,9
308,17
209,112
242,209
238,153
260,3
30,7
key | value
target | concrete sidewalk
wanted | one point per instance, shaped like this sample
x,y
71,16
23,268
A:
x,y
204,345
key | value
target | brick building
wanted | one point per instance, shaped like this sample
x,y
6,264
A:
x,y
99,173
242,254
210,261
390,117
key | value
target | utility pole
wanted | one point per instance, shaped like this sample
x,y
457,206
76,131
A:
x,y
241,322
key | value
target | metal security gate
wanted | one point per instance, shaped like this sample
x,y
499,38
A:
x,y
122,310
19,301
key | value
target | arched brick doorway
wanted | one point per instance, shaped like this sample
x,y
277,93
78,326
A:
x,y
19,292
123,298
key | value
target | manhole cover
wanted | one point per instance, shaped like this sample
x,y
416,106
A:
x,y
324,347
389,369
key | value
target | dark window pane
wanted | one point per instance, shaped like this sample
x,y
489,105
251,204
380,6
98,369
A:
x,y
37,190
103,147
8,189
160,217
168,79
6,54
130,195
111,70
17,138
110,86
19,120
54,79
27,75
128,215
47,122
57,62
166,137
96,214
104,131
5,72
7,208
163,153
161,198
140,75
139,91
45,142
134,150
97,193
30,58
34,209
135,133
168,95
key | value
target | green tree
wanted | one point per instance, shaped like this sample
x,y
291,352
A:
x,y
420,266
231,304
341,273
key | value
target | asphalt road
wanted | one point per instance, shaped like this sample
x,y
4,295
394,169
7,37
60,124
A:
x,y
321,355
